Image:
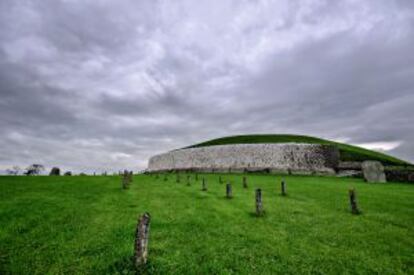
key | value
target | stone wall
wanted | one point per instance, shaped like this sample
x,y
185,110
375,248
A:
x,y
400,175
290,157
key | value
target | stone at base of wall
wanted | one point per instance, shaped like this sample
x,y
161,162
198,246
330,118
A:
x,y
400,175
349,165
373,171
327,172
349,173
239,158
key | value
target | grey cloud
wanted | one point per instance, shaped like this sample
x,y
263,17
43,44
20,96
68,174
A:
x,y
99,85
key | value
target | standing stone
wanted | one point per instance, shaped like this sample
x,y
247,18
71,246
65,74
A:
x,y
283,188
353,203
124,181
141,240
125,177
55,171
373,171
229,192
259,204
204,185
244,182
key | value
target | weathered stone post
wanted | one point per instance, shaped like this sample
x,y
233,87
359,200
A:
x,y
229,191
353,203
125,182
244,182
204,185
141,240
283,188
126,178
259,205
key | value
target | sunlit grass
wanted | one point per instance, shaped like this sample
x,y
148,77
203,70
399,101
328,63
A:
x,y
86,225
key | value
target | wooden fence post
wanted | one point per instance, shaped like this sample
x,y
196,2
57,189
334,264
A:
x,y
204,185
353,202
141,240
259,204
229,192
124,180
283,188
244,182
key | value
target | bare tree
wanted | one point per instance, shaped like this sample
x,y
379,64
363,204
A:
x,y
34,169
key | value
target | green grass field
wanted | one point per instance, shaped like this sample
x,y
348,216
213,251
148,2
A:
x,y
347,152
85,225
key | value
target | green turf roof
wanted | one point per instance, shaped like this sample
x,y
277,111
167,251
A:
x,y
347,152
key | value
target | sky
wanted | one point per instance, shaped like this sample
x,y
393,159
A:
x,y
90,85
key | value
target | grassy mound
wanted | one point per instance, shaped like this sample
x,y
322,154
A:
x,y
348,152
86,225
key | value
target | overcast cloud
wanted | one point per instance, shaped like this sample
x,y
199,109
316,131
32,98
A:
x,y
103,85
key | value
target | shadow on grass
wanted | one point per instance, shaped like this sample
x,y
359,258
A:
x,y
126,265
3,263
254,215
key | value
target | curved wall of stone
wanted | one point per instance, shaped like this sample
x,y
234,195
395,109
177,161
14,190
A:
x,y
289,157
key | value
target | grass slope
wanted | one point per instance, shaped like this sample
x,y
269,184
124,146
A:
x,y
85,225
348,152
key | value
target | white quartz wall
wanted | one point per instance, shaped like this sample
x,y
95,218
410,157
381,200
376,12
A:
x,y
276,157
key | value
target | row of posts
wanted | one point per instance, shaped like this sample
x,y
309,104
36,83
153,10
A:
x,y
143,225
259,206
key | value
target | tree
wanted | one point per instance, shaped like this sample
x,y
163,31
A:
x,y
34,169
15,170
55,171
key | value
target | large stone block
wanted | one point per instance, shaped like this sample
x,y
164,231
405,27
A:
x,y
373,171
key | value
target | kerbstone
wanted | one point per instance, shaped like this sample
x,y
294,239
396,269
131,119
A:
x,y
373,171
